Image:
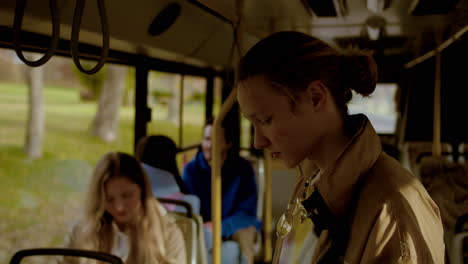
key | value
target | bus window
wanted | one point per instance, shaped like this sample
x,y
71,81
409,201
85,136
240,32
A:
x,y
380,107
40,194
163,99
193,110
180,119
193,116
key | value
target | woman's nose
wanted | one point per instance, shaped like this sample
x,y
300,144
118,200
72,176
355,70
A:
x,y
260,140
119,207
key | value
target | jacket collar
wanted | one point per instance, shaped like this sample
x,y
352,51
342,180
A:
x,y
205,167
336,183
201,162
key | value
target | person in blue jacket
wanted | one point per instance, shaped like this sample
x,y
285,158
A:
x,y
239,192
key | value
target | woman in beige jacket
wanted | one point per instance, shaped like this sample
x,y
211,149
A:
x,y
123,218
365,207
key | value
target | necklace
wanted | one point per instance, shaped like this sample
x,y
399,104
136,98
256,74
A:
x,y
295,208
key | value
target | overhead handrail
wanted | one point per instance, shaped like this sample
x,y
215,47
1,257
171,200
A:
x,y
79,9
439,49
17,24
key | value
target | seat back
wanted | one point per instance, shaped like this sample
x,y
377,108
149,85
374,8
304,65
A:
x,y
463,150
258,165
164,185
162,182
188,227
459,249
414,152
259,171
447,184
201,246
192,228
62,255
459,245
462,224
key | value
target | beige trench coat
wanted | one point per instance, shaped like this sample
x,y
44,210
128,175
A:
x,y
394,220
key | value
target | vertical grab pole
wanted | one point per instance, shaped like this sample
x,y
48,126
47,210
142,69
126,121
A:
x,y
181,110
268,208
436,144
142,112
216,175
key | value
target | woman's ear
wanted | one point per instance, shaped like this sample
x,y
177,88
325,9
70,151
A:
x,y
317,94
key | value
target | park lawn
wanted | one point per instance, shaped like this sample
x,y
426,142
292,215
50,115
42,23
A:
x,y
39,199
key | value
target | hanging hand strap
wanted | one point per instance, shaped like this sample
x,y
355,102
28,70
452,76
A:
x,y
79,8
17,24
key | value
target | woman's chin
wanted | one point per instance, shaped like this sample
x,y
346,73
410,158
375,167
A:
x,y
290,163
124,220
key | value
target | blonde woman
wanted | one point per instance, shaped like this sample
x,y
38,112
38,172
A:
x,y
122,217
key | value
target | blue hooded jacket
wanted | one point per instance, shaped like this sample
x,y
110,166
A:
x,y
239,192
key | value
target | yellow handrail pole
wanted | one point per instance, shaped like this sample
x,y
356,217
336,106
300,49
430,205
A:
x,y
436,144
267,226
217,138
181,110
440,48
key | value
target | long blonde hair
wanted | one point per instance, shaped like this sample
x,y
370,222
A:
x,y
146,231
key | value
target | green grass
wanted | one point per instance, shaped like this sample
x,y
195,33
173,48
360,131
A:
x,y
39,199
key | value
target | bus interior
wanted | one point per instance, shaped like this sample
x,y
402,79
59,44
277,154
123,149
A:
x,y
420,46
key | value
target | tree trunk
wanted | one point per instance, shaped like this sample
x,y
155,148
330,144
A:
x,y
129,90
151,82
35,124
105,122
174,109
129,96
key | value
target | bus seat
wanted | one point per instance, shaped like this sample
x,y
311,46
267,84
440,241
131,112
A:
x,y
258,167
459,249
201,247
188,227
459,245
447,184
164,185
413,152
193,200
231,253
258,164
191,225
162,182
463,150
462,224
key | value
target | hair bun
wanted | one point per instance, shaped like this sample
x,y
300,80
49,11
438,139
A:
x,y
360,71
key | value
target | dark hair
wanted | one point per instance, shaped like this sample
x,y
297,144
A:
x,y
228,131
160,152
293,60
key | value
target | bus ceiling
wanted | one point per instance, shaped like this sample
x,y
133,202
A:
x,y
201,32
